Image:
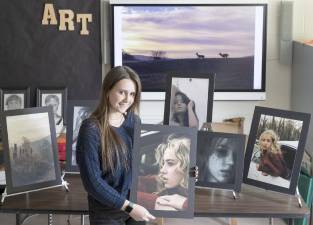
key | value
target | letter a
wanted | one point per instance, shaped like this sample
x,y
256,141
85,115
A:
x,y
49,14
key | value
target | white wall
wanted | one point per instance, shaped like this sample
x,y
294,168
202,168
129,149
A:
x,y
278,76
302,21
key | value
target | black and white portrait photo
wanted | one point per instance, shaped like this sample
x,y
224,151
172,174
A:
x,y
189,100
161,166
80,114
12,99
274,151
32,159
220,159
54,100
57,99
78,111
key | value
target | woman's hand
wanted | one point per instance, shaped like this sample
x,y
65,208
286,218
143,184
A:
x,y
191,104
140,213
176,201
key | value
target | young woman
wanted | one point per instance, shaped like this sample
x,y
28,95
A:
x,y
272,161
104,150
184,112
220,163
171,184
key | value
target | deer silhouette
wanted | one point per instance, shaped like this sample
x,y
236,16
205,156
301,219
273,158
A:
x,y
199,56
225,56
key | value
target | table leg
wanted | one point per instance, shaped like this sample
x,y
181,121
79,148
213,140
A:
x,y
271,221
17,219
291,222
20,218
50,219
82,219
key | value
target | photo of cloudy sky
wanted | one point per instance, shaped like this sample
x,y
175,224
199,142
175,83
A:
x,y
181,31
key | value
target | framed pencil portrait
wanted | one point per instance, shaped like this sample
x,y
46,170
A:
x,y
57,98
275,149
189,100
14,98
220,160
161,180
30,150
76,113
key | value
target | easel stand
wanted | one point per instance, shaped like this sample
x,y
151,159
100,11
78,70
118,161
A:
x,y
298,197
64,183
235,194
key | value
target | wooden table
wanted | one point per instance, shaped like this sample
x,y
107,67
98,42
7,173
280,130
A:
x,y
252,202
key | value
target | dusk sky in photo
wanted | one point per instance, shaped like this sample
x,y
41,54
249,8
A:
x,y
183,31
32,126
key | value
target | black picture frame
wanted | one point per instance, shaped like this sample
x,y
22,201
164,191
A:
x,y
30,153
269,171
149,142
53,96
75,108
19,96
186,88
220,160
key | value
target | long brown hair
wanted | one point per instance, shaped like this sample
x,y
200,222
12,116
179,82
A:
x,y
113,150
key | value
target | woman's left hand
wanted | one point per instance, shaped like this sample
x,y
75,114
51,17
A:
x,y
176,201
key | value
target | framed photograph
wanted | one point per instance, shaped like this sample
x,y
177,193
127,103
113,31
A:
x,y
1,107
55,97
161,181
275,149
184,106
220,160
77,112
30,150
14,99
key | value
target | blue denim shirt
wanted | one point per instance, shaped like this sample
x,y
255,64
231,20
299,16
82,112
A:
x,y
109,189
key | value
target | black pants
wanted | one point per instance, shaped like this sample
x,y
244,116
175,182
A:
x,y
102,215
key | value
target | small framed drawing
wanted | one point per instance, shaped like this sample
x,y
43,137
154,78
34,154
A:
x,y
275,149
220,160
161,169
76,113
184,106
30,150
55,97
14,99
1,96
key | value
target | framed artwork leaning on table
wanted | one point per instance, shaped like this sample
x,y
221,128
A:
x,y
162,165
220,160
30,149
275,149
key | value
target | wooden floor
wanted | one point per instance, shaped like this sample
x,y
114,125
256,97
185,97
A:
x,y
9,219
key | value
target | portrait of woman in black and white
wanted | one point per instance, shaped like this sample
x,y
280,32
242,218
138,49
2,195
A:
x,y
185,107
184,111
217,159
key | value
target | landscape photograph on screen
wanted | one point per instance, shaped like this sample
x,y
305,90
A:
x,y
157,40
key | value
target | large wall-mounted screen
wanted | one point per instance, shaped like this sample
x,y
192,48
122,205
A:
x,y
228,40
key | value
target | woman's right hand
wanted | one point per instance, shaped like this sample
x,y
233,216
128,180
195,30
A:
x,y
140,213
